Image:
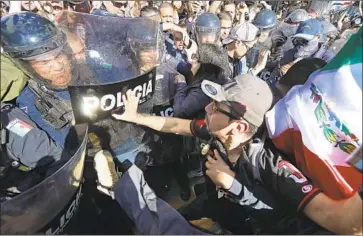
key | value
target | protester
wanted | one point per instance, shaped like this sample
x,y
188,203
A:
x,y
230,7
13,80
306,44
226,24
166,12
238,44
225,171
297,74
318,125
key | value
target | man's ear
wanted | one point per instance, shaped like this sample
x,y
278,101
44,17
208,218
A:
x,y
240,127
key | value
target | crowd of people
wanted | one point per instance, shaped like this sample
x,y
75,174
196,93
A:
x,y
221,67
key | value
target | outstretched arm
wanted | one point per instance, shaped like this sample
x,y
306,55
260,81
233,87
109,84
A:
x,y
158,123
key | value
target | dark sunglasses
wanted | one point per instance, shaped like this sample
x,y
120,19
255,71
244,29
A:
x,y
226,113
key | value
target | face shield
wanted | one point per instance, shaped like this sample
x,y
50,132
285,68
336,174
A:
x,y
206,35
146,43
53,64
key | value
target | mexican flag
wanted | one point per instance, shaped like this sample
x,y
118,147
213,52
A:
x,y
319,123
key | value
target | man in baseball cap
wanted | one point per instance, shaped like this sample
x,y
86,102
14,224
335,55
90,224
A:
x,y
248,98
306,44
239,43
308,30
242,166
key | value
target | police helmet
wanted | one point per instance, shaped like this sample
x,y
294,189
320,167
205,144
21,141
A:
x,y
39,48
207,21
25,35
297,16
207,24
144,36
265,19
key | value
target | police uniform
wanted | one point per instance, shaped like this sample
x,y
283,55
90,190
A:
x,y
27,153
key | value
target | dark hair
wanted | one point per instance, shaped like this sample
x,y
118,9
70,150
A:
x,y
300,72
228,2
252,129
147,10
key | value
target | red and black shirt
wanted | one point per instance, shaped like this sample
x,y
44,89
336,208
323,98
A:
x,y
262,167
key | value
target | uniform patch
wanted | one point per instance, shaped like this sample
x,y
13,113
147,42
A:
x,y
19,127
307,188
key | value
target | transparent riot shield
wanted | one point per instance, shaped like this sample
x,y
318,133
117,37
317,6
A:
x,y
122,54
48,206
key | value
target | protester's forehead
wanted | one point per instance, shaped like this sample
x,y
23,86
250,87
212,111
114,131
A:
x,y
229,6
225,23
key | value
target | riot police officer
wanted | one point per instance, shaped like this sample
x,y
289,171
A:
x,y
42,52
166,148
265,21
27,153
207,29
280,36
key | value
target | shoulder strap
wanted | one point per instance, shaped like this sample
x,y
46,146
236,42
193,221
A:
x,y
53,110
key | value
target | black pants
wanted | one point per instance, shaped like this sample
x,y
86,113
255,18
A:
x,y
167,163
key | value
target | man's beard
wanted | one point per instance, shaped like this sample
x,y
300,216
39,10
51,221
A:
x,y
213,54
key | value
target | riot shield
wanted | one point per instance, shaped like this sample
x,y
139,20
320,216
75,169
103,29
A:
x,y
48,206
122,54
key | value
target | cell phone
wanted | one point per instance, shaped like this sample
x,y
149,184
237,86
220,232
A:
x,y
247,16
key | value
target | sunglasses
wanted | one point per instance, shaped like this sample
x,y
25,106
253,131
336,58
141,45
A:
x,y
216,108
